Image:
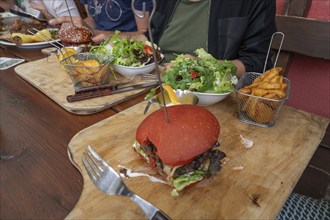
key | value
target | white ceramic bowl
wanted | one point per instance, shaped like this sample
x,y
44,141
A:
x,y
129,71
205,99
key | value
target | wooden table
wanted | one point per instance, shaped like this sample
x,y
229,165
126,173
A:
x,y
37,179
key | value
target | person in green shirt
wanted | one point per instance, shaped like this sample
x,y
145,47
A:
x,y
236,30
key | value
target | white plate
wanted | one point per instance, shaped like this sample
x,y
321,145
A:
x,y
30,45
34,44
8,18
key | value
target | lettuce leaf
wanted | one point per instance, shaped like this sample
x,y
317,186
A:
x,y
184,180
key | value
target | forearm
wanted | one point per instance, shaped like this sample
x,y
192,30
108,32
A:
x,y
240,67
90,23
100,35
142,23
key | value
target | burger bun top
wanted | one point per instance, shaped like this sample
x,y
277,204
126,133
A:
x,y
74,36
191,131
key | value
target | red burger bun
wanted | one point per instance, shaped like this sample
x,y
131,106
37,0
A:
x,y
191,131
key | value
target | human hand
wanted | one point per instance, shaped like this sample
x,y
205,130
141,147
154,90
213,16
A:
x,y
42,8
98,38
104,35
6,4
139,37
77,20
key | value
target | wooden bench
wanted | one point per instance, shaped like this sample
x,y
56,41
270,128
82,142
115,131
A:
x,y
303,35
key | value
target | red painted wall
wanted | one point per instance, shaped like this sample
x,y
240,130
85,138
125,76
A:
x,y
310,77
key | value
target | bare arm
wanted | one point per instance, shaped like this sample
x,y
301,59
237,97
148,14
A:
x,y
142,23
89,21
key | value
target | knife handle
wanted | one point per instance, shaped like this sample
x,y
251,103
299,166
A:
x,y
88,95
159,215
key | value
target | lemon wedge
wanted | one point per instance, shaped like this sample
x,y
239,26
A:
x,y
171,94
65,53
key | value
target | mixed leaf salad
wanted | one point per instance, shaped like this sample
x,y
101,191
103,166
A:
x,y
126,51
203,74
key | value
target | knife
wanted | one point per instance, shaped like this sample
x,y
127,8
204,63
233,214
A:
x,y
106,91
34,14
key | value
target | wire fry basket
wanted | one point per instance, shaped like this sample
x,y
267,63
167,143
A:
x,y
87,70
259,110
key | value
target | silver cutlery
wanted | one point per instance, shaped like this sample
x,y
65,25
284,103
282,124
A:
x,y
106,90
109,182
30,13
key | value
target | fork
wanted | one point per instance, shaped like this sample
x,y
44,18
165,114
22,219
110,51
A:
x,y
109,182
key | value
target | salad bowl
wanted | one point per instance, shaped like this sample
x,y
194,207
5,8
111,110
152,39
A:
x,y
206,99
130,57
130,71
210,80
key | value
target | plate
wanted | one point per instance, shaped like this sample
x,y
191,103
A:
x,y
30,45
8,18
34,44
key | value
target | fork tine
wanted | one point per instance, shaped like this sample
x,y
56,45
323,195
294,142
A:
x,y
93,164
46,38
90,170
96,158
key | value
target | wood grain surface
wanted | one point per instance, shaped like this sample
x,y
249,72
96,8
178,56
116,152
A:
x,y
271,168
37,180
48,76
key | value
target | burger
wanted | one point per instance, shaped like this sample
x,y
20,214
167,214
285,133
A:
x,y
75,36
185,149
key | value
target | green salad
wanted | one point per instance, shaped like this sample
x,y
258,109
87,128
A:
x,y
204,74
126,51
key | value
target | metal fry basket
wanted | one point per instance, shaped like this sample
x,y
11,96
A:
x,y
258,110
87,70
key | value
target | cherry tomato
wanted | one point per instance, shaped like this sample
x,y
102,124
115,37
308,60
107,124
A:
x,y
193,75
147,49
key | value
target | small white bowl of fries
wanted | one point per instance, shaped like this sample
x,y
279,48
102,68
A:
x,y
261,96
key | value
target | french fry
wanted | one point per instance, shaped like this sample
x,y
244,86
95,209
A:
x,y
284,86
269,85
270,96
245,90
276,79
259,92
281,94
251,86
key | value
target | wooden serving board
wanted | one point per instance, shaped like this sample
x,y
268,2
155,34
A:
x,y
270,169
49,77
